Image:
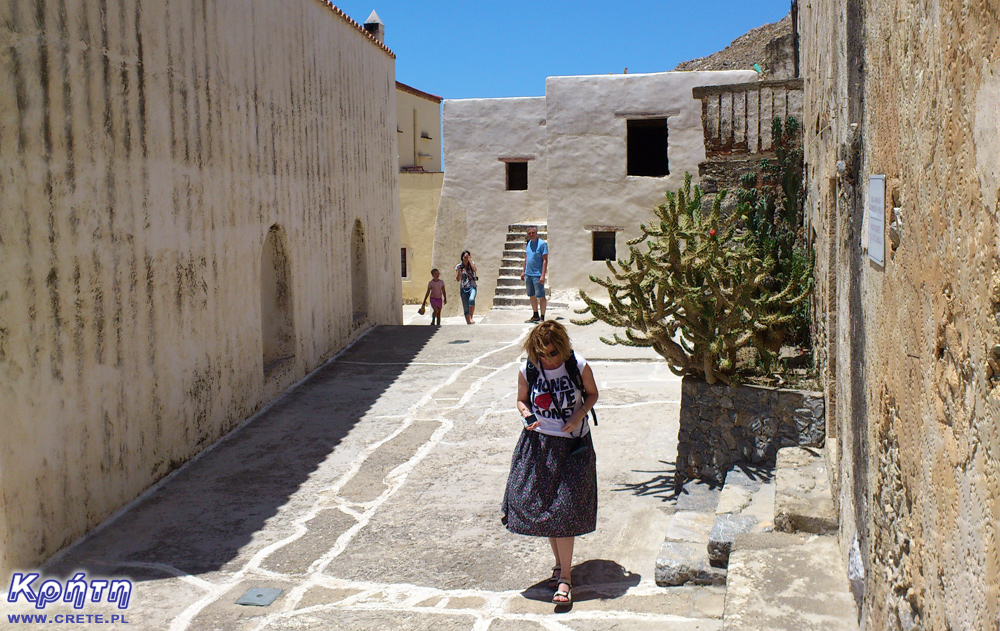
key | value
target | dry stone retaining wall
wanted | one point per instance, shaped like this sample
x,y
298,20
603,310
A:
x,y
721,426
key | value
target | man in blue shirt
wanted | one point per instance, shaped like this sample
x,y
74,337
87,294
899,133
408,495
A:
x,y
536,265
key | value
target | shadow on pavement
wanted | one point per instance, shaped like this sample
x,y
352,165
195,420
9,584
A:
x,y
212,508
594,579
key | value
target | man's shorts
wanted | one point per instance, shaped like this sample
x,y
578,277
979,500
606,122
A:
x,y
534,287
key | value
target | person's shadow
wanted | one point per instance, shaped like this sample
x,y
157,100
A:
x,y
592,580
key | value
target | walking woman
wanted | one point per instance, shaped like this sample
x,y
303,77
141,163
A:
x,y
552,488
465,272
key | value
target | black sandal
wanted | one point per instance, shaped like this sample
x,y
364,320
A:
x,y
565,594
554,581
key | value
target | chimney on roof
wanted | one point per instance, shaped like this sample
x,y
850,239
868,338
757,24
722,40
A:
x,y
374,26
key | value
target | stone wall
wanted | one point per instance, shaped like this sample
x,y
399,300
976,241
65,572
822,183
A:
x,y
159,162
721,426
910,91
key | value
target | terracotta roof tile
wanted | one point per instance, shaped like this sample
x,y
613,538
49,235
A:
x,y
415,92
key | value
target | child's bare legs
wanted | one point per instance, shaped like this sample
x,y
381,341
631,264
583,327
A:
x,y
436,316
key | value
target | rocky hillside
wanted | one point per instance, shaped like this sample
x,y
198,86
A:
x,y
746,50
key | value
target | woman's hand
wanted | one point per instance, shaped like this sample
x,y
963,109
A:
x,y
532,427
575,422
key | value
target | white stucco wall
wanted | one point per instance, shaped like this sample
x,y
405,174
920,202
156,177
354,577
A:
x,y
475,207
577,136
587,156
145,151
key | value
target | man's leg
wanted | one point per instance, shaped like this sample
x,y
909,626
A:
x,y
529,285
540,296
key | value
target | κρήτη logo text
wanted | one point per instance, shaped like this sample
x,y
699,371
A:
x,y
76,590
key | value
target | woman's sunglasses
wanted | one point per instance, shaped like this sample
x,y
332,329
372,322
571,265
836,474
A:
x,y
552,354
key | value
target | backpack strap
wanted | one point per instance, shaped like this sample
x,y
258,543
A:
x,y
574,375
531,374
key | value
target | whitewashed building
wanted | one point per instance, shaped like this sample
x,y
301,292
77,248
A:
x,y
590,159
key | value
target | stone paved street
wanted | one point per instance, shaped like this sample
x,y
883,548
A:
x,y
370,495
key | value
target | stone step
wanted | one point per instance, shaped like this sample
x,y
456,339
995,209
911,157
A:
x,y
514,256
511,301
511,290
803,501
512,246
505,302
510,271
746,505
787,582
683,557
523,227
522,237
510,281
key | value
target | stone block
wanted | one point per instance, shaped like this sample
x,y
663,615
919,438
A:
x,y
681,562
803,501
783,582
724,531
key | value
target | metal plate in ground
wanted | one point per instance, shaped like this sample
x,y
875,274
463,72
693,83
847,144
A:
x,y
259,596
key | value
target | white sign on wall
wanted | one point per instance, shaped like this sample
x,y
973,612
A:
x,y
876,219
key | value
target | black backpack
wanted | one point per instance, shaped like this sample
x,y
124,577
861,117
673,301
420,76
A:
x,y
531,374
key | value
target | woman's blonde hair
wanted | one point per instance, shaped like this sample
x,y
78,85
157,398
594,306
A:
x,y
548,332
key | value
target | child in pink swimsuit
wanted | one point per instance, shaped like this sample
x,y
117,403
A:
x,y
438,296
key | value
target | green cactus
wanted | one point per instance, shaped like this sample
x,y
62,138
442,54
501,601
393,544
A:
x,y
698,290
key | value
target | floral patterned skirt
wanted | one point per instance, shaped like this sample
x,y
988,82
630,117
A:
x,y
551,492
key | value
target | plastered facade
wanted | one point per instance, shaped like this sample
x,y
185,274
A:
x,y
475,207
418,125
148,151
910,91
419,196
574,140
587,157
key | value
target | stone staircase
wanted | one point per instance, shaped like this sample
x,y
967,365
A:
x,y
791,580
510,292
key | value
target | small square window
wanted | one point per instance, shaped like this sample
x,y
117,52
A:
x,y
402,261
647,147
517,176
604,246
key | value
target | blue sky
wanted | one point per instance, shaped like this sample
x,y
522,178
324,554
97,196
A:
x,y
473,48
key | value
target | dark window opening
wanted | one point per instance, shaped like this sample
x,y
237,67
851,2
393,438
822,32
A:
x,y
647,147
402,261
517,176
604,246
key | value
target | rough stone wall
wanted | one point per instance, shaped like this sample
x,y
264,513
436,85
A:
x,y
721,426
475,207
906,346
146,150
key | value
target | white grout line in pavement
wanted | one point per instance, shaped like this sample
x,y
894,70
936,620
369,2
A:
x,y
394,480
